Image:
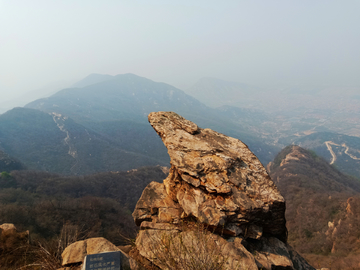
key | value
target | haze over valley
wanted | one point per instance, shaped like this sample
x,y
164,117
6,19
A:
x,y
81,148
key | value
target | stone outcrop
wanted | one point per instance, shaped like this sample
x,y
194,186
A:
x,y
214,181
74,254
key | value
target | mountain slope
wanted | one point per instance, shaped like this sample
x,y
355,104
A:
x,y
8,163
52,142
131,98
340,150
303,168
125,97
96,205
92,79
317,197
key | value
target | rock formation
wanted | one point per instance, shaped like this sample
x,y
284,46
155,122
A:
x,y
74,254
11,244
217,183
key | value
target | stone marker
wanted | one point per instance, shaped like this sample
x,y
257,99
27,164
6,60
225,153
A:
x,y
103,261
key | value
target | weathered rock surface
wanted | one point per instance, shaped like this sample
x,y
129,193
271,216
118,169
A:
x,y
217,181
195,246
75,253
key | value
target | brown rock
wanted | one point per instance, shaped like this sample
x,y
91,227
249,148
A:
x,y
138,262
271,252
158,226
193,248
98,245
12,245
216,181
299,262
155,204
214,178
10,238
76,252
7,226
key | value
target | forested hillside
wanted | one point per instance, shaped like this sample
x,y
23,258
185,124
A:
x,y
55,143
322,210
99,204
117,108
338,149
8,163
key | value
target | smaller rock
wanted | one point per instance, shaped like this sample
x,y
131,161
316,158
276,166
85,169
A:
x,y
10,238
7,226
76,252
99,245
12,244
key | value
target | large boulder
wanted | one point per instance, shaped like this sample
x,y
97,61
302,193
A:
x,y
215,182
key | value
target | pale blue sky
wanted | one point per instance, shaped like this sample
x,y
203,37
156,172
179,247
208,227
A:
x,y
268,42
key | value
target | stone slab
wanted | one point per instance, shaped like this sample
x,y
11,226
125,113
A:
x,y
103,261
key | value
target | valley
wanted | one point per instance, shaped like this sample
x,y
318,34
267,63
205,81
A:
x,y
92,146
113,110
180,135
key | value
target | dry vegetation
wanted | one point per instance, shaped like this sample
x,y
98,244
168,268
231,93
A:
x,y
97,205
317,196
39,254
197,248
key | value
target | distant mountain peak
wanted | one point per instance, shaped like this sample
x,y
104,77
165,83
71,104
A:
x,y
298,166
93,79
288,154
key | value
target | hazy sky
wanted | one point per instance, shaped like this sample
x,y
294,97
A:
x,y
258,42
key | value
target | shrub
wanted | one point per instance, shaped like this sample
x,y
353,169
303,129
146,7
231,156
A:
x,y
193,248
46,254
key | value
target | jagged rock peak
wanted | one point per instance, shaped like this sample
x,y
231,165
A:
x,y
215,181
213,160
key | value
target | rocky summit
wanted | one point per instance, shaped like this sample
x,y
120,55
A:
x,y
214,181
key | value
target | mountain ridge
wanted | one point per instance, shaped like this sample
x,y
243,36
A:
x,y
128,97
318,198
341,150
55,143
